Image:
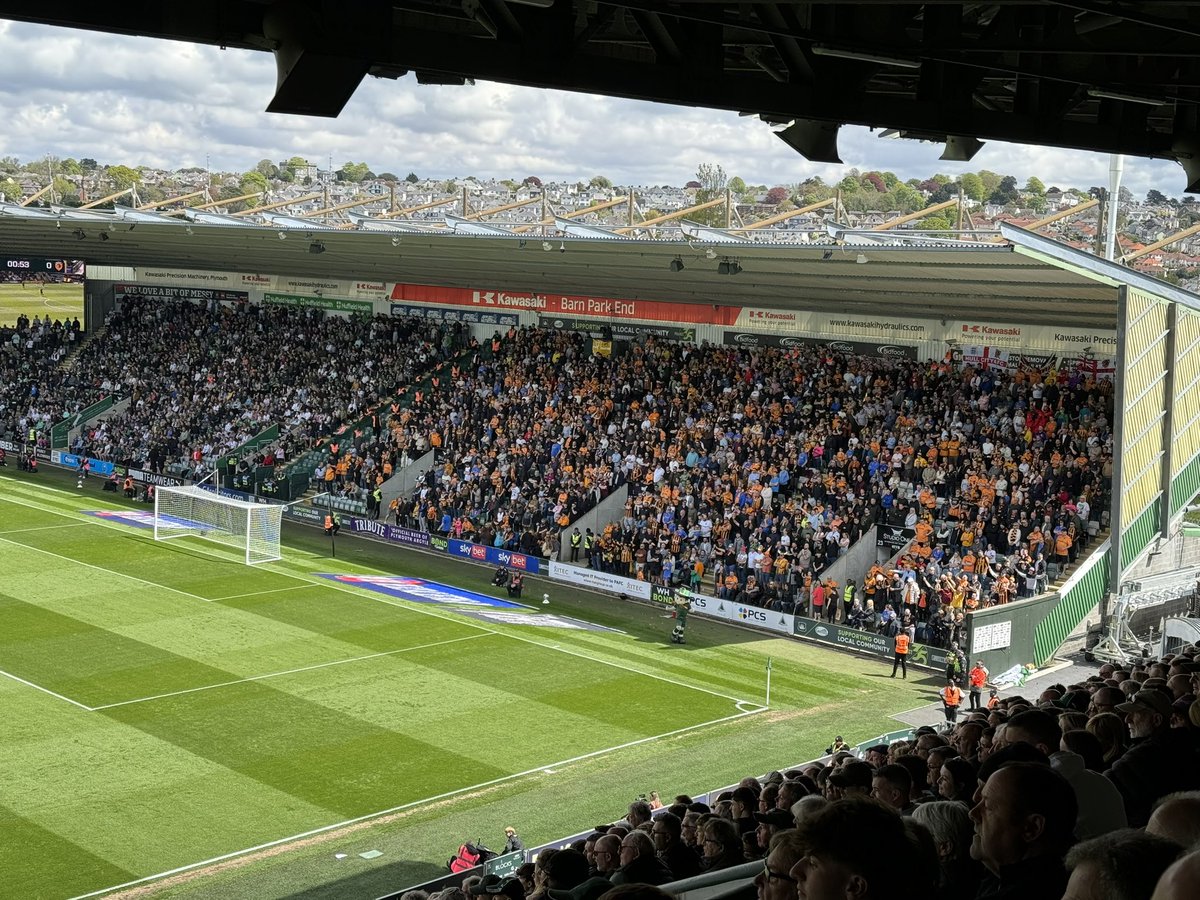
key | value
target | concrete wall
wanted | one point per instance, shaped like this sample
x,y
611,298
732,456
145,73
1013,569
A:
x,y
610,509
858,559
401,483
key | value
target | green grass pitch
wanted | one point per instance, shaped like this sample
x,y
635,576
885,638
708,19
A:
x,y
60,301
164,705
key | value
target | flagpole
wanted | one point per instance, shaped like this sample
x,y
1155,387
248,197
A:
x,y
768,681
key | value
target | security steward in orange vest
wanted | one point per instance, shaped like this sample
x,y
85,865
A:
x,y
977,679
332,525
952,699
901,661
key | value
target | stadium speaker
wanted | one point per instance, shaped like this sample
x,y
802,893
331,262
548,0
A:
x,y
316,247
677,264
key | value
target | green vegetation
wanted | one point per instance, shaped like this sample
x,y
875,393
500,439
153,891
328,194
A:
x,y
181,730
61,301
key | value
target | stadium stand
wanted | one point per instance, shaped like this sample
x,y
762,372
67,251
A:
x,y
203,381
749,471
35,390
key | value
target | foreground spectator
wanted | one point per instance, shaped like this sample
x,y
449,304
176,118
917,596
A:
x,y
1121,865
1024,823
949,825
639,863
1161,759
835,867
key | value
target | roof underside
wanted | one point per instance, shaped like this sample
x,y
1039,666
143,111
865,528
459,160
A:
x,y
997,282
1106,75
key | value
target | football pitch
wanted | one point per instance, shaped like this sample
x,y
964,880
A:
x,y
163,705
60,301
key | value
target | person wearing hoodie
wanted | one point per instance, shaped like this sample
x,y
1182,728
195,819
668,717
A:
x,y
1101,806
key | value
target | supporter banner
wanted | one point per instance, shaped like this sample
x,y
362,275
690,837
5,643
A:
x,y
168,292
409,537
601,581
620,330
1032,362
494,555
569,305
783,623
71,461
152,477
867,642
305,513
986,357
859,348
894,537
186,277
1102,369
437,314
333,304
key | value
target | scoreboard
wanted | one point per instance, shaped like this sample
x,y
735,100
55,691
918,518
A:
x,y
33,266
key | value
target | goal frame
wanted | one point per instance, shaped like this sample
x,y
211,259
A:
x,y
196,511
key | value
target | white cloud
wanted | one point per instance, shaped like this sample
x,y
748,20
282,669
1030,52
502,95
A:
x,y
142,101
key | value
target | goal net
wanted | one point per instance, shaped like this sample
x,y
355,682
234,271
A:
x,y
252,528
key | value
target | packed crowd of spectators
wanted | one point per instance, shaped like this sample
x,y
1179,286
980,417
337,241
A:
x,y
35,390
750,470
1088,791
203,380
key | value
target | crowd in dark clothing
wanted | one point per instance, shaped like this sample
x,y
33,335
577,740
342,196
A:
x,y
202,380
36,392
1088,791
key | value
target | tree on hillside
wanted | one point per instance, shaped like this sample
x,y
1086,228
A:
x,y
849,185
1035,186
123,176
905,198
875,180
411,178
253,181
88,164
532,180
1005,193
1155,197
990,180
713,183
972,186
267,169
600,183
934,223
776,195
737,185
355,172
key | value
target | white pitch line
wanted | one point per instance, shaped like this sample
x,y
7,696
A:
x,y
45,528
38,687
536,770
80,562
299,587
324,665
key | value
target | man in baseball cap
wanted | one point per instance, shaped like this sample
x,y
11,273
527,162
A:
x,y
1160,761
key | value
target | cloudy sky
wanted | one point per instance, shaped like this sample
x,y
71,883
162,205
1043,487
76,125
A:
x,y
140,101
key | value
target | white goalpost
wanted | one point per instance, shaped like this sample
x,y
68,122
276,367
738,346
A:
x,y
252,528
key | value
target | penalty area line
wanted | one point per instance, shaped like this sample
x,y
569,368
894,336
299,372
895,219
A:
x,y
536,770
38,687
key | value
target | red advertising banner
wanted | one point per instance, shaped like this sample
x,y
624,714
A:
x,y
568,305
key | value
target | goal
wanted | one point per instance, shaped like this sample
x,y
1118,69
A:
x,y
252,528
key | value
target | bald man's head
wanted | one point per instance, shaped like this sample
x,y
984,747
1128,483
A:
x,y
1177,816
1181,881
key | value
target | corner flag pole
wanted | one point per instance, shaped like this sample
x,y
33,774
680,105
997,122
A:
x,y
768,681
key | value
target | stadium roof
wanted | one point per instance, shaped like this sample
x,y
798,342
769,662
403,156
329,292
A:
x,y
1015,277
1117,76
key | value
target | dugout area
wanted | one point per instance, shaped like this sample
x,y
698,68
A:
x,y
1013,277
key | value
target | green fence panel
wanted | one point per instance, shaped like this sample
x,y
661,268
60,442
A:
x,y
1085,588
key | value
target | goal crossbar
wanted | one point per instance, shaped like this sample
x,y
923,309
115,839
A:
x,y
251,528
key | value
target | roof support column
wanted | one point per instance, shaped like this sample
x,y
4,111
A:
x,y
1116,503
1169,423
